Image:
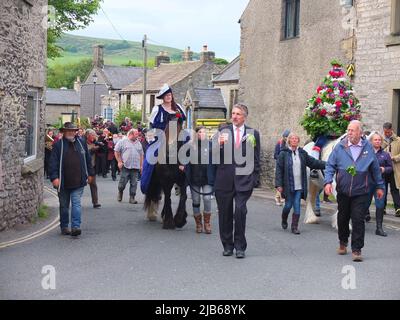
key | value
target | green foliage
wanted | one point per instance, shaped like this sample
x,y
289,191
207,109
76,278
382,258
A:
x,y
221,62
58,124
139,63
70,15
84,123
133,51
65,75
118,45
127,111
43,211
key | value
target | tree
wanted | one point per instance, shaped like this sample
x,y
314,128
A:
x,y
221,62
65,75
127,111
69,15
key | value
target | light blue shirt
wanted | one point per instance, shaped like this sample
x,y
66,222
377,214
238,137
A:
x,y
355,149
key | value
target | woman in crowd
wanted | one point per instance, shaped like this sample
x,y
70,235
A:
x,y
291,178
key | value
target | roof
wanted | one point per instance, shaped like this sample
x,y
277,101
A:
x,y
119,77
170,73
62,97
209,98
230,72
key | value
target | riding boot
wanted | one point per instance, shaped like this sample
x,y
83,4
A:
x,y
285,215
379,221
295,223
207,223
199,224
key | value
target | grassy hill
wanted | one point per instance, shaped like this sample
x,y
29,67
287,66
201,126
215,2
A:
x,y
116,52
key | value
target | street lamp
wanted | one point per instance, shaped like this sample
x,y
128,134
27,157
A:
x,y
94,93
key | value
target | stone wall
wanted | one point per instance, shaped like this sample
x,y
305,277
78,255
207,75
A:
x,y
277,76
377,61
22,68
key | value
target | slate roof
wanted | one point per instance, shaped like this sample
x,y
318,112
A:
x,y
120,77
174,72
209,98
62,97
230,73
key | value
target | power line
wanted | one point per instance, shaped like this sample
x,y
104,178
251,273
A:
x,y
109,20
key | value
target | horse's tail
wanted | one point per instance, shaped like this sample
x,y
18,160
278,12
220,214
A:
x,y
153,193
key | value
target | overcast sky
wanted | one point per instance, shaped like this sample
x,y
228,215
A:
x,y
175,23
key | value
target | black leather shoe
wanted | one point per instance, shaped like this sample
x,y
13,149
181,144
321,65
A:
x,y
97,206
76,232
240,254
227,253
65,232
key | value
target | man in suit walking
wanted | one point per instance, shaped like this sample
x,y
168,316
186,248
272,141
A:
x,y
236,175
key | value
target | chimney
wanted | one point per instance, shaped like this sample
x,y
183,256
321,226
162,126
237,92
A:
x,y
162,57
187,55
207,56
77,84
98,56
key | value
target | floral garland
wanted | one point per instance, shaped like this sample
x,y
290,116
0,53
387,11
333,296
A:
x,y
332,107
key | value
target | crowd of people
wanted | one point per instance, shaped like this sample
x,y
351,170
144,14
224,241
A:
x,y
363,166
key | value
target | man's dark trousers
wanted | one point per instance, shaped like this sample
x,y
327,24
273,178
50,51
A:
x,y
227,214
352,208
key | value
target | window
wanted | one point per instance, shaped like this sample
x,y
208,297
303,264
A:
x,y
108,113
31,114
291,18
128,100
395,19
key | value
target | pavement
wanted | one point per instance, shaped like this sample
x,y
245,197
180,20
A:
x,y
120,255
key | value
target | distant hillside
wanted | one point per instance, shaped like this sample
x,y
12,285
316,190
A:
x,y
116,52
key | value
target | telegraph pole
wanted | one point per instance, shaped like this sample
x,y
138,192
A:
x,y
144,46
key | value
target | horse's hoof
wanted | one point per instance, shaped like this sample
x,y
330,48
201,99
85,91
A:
x,y
168,226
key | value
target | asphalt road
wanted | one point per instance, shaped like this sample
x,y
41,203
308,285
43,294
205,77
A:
x,y
120,255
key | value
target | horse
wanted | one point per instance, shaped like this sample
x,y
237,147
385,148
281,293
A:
x,y
315,185
165,174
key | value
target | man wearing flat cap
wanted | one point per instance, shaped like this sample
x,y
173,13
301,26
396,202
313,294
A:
x,y
70,170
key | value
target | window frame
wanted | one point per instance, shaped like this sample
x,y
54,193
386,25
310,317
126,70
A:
x,y
34,93
293,17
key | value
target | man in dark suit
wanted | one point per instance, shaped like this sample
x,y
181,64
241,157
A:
x,y
237,174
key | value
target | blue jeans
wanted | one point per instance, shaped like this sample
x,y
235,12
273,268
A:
x,y
318,200
73,196
293,200
196,198
379,203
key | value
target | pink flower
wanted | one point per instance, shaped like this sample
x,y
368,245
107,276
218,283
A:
x,y
322,113
318,100
339,104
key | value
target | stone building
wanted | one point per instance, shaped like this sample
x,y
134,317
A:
x,y
286,48
377,61
228,82
103,81
64,103
284,55
22,107
177,75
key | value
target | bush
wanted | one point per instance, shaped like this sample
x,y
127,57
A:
x,y
127,111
